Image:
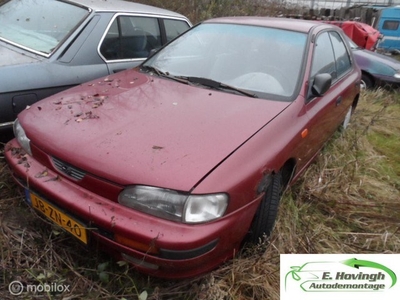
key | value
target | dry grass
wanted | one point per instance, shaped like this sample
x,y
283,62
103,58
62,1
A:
x,y
346,202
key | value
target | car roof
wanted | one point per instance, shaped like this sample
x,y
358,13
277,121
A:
x,y
283,23
125,6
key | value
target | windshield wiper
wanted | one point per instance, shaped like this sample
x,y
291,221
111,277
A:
x,y
217,85
198,80
152,69
160,73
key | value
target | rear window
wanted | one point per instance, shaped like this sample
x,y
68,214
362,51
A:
x,y
390,25
39,25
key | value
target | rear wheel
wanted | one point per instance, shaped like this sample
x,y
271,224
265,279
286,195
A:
x,y
265,217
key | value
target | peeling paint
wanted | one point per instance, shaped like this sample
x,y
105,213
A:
x,y
56,178
44,173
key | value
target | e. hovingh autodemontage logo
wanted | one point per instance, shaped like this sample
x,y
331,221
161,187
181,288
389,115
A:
x,y
351,275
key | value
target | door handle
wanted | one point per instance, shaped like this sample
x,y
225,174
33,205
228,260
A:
x,y
339,100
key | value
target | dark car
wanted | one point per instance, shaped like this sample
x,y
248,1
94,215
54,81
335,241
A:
x,y
173,165
378,70
49,46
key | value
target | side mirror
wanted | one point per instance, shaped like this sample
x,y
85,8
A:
x,y
321,84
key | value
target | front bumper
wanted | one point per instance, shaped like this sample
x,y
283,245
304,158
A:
x,y
155,246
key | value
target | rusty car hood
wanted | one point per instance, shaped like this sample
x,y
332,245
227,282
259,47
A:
x,y
132,128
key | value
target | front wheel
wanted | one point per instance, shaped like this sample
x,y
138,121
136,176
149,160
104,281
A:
x,y
366,82
265,217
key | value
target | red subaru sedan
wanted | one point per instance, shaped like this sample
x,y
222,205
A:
x,y
173,165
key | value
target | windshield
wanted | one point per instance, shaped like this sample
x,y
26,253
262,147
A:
x,y
38,25
264,61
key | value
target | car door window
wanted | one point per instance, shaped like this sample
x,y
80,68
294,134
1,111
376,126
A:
x,y
343,62
324,58
131,37
330,56
173,28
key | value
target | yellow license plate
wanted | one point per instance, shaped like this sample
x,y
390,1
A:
x,y
75,228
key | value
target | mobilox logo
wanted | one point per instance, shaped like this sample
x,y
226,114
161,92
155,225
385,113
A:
x,y
350,275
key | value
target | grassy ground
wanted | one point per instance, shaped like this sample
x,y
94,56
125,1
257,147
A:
x,y
347,202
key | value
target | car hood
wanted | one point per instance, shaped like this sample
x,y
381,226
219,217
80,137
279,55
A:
x,y
367,59
10,57
131,128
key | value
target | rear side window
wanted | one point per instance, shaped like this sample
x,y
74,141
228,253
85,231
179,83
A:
x,y
131,37
173,28
390,25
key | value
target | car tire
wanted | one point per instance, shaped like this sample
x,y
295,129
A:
x,y
264,219
366,82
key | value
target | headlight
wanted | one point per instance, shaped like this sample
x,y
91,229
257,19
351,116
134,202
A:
x,y
397,75
22,139
174,206
202,208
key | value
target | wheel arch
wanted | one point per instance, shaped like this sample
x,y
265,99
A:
x,y
365,74
355,102
288,170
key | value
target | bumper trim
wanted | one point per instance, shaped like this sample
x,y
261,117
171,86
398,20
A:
x,y
187,254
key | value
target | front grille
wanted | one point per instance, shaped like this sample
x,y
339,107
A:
x,y
69,170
